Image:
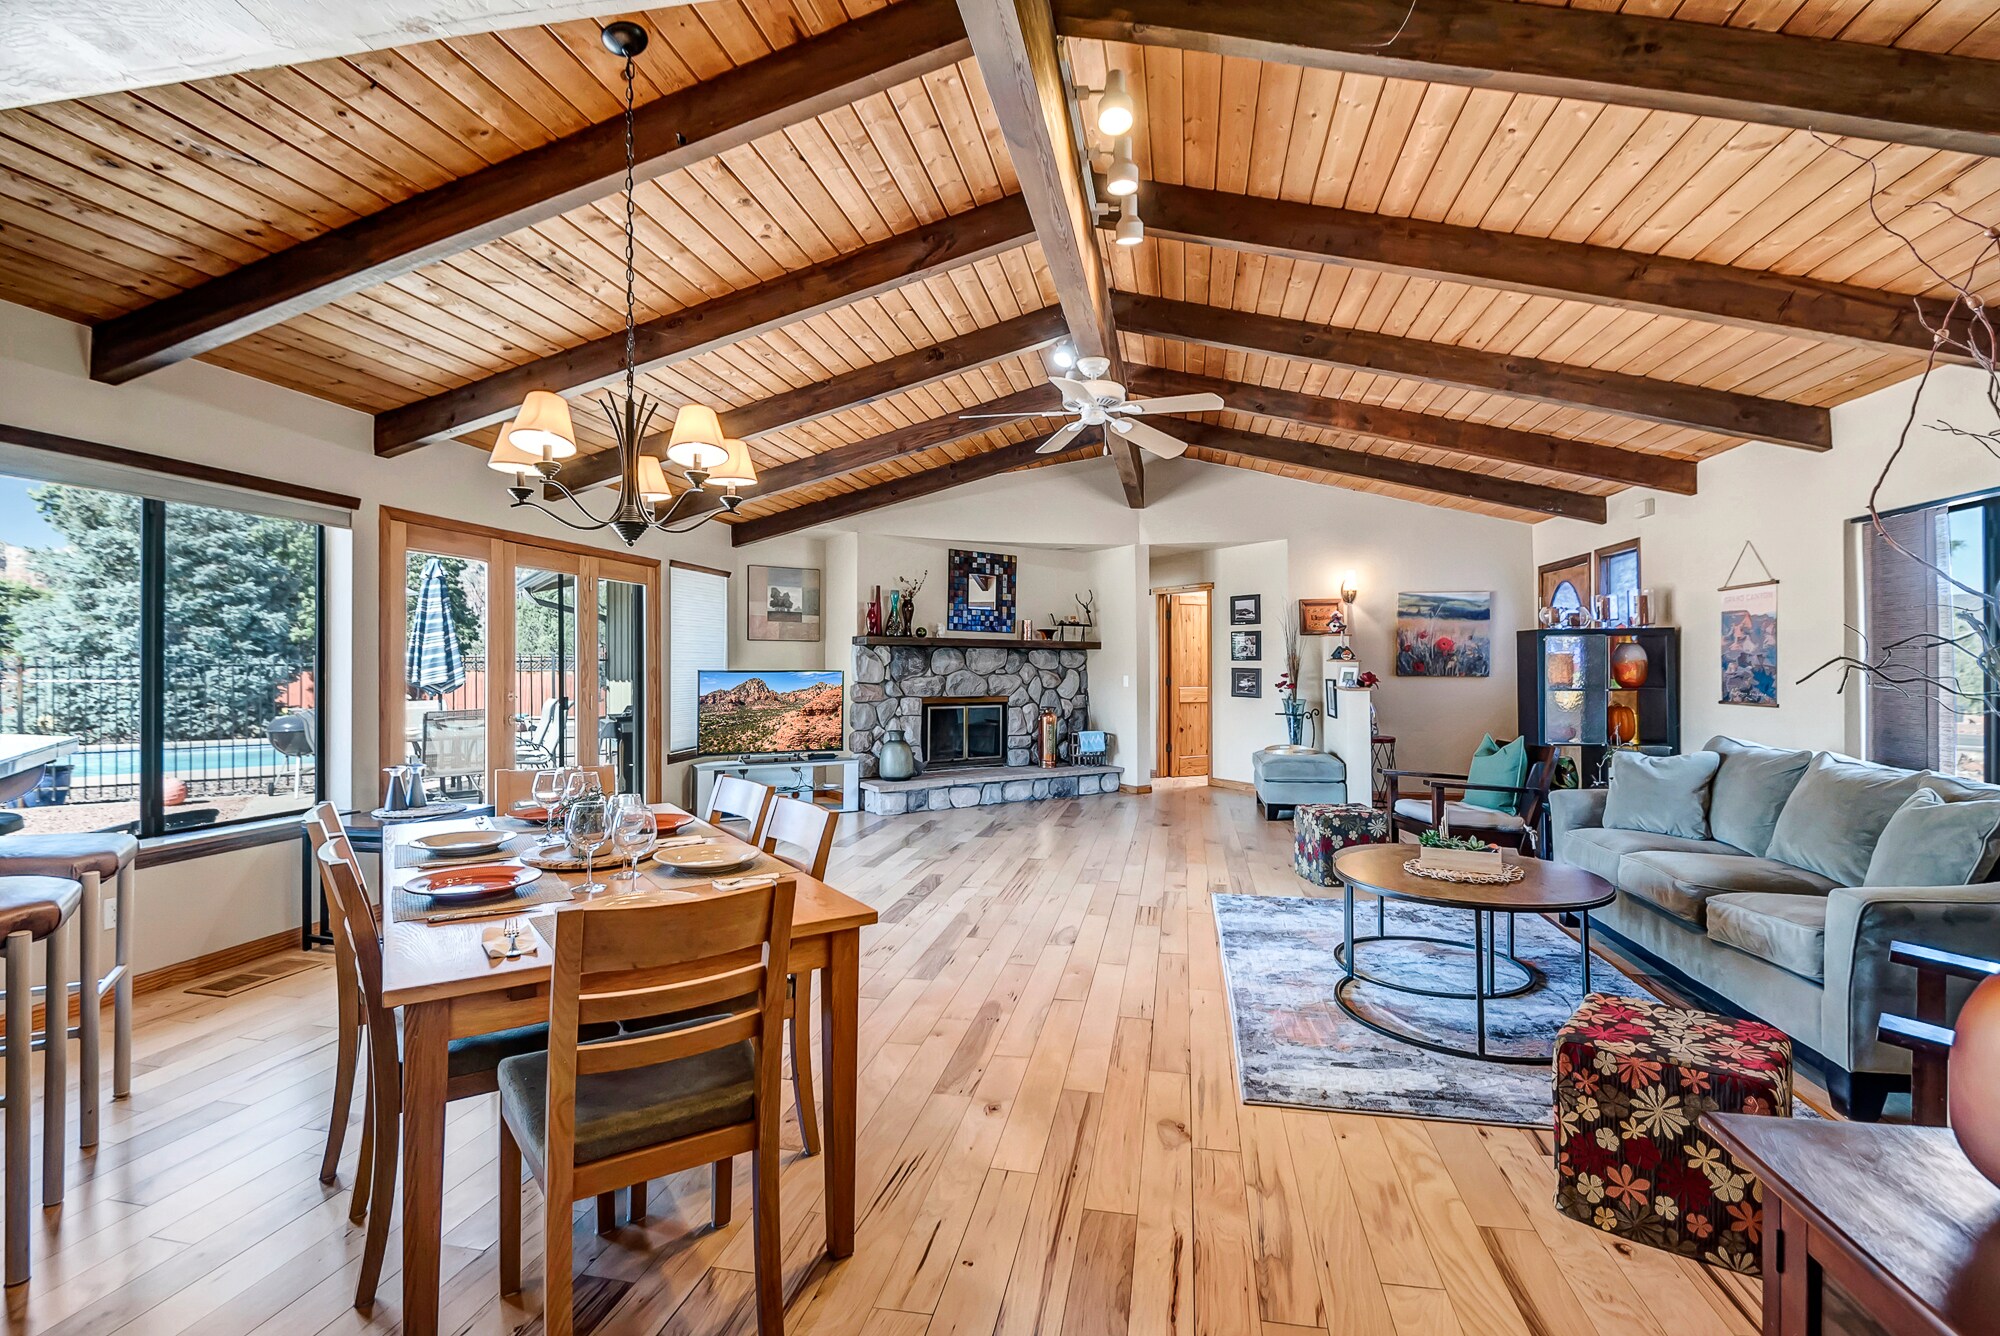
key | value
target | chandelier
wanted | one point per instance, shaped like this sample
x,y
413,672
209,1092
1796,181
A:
x,y
542,434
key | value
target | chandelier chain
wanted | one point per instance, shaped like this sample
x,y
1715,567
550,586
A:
x,y
631,224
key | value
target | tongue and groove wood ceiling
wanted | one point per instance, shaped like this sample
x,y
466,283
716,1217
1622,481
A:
x,y
1512,295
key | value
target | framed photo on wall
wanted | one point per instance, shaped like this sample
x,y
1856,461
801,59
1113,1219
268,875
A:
x,y
1246,646
1246,682
784,603
1246,609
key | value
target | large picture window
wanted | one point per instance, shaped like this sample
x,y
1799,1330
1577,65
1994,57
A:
x,y
160,662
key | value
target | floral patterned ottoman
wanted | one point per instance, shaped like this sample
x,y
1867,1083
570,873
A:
x,y
1633,1078
1321,830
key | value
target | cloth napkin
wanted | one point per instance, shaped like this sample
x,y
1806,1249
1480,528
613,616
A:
x,y
494,939
744,883
680,841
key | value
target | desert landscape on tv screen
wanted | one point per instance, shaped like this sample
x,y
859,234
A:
x,y
769,712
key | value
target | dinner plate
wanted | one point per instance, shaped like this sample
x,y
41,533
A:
x,y
470,883
703,859
528,812
669,822
463,843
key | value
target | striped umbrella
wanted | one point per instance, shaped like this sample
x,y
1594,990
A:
x,y
434,663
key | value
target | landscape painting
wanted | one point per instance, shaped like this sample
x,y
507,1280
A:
x,y
1444,635
1750,645
784,603
748,713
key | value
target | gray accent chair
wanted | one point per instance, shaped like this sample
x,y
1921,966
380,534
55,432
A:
x,y
1772,940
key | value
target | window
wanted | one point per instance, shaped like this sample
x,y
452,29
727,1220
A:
x,y
159,661
1618,577
697,638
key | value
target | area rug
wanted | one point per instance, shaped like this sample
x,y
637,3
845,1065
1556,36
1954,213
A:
x,y
1294,1046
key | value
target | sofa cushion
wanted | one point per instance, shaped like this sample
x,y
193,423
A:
x,y
1460,816
1599,849
1681,883
1750,789
1667,795
1948,787
1495,764
1787,930
1834,817
1931,842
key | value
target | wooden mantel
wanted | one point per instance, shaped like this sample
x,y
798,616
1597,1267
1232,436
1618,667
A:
x,y
976,642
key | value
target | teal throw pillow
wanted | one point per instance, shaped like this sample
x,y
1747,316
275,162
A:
x,y
1930,842
1495,764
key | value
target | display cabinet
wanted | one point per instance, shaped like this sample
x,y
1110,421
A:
x,y
1600,689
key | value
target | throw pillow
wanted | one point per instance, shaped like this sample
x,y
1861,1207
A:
x,y
1750,790
1495,764
1662,795
1834,817
1930,842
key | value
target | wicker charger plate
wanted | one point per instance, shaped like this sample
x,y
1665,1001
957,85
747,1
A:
x,y
1509,872
558,858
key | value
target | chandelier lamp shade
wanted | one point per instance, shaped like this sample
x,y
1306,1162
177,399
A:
x,y
543,434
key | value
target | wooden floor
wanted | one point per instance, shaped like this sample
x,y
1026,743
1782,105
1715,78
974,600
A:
x,y
1051,1142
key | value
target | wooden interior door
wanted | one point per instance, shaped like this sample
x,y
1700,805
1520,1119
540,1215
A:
x,y
1185,677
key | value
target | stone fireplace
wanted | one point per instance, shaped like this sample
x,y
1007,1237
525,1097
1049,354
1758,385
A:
x,y
893,685
965,732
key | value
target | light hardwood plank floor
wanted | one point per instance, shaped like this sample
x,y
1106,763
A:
x,y
1051,1142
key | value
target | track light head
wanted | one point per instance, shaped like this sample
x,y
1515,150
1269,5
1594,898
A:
x,y
1131,228
1114,106
1123,178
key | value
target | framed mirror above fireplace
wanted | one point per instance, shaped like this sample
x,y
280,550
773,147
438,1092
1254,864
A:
x,y
965,731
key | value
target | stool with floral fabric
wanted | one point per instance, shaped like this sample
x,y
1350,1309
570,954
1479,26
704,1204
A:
x,y
1633,1078
1321,830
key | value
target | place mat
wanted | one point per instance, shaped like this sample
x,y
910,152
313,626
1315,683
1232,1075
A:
x,y
407,905
414,856
428,812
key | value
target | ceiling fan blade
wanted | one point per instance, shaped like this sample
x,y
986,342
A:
x,y
1064,435
1073,391
1173,403
1153,440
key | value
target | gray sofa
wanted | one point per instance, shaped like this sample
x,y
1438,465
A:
x,y
1799,949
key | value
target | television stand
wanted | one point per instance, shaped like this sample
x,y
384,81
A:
x,y
830,779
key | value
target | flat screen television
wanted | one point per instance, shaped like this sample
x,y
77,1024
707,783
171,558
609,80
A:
x,y
749,713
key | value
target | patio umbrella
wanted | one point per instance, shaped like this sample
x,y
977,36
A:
x,y
434,663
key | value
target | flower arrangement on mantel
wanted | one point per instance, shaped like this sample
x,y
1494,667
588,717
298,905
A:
x,y
1458,853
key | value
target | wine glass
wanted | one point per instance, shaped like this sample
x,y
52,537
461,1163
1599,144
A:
x,y
546,790
588,826
633,831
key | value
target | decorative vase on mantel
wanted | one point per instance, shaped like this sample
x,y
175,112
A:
x,y
893,759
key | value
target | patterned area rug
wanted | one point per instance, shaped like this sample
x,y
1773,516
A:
x,y
1294,1045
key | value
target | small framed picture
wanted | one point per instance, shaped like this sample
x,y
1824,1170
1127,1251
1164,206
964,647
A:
x,y
1246,682
1246,646
1322,617
1331,694
1246,609
1350,676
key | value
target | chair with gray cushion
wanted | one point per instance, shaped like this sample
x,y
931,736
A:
x,y
1285,778
1438,810
35,909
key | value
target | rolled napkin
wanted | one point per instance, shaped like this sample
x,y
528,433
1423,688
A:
x,y
677,841
744,883
494,939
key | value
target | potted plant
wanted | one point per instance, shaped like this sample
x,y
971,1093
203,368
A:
x,y
1458,853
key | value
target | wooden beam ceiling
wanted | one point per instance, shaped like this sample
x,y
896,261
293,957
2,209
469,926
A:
x,y
1382,468
1452,364
1601,275
1021,60
1584,458
927,482
864,385
793,84
1702,69
908,257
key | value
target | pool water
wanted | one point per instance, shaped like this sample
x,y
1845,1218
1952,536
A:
x,y
186,760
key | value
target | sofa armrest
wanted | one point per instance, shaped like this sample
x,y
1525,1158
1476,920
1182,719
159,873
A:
x,y
1861,983
1573,809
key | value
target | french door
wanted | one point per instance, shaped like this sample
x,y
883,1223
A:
x,y
529,653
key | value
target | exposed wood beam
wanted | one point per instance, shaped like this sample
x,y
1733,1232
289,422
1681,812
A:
x,y
1602,275
1534,378
1702,69
864,385
1021,61
988,464
1382,468
908,257
1583,458
819,74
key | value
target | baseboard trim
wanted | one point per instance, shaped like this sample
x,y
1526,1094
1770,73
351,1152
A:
x,y
1135,788
1231,785
170,977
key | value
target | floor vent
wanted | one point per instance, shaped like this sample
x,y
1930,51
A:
x,y
242,981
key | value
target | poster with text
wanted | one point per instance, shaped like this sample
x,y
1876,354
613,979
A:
x,y
1750,645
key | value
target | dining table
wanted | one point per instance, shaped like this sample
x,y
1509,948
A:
x,y
448,987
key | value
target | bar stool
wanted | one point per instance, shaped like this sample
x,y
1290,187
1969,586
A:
x,y
90,859
34,909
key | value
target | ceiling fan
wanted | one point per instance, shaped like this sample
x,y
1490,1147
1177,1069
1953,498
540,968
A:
x,y
1102,403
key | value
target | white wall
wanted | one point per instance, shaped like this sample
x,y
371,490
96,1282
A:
x,y
1795,506
786,655
198,412
1242,725
1121,673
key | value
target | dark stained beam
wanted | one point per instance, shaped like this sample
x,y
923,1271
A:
x,y
905,258
839,67
1401,472
927,482
1603,275
864,385
1702,69
1021,61
1533,378
1583,458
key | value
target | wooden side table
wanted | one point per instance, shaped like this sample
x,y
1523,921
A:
x,y
1869,1229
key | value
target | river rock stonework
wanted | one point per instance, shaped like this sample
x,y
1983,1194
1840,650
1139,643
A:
x,y
892,682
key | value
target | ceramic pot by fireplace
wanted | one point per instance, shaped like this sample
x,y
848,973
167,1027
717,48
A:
x,y
1975,1078
894,759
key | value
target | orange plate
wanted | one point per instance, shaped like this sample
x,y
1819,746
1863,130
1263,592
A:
x,y
670,821
472,881
528,812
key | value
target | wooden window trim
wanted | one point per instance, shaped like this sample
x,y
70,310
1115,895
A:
x,y
696,566
185,845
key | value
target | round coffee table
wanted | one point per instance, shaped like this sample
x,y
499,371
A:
x,y
1545,888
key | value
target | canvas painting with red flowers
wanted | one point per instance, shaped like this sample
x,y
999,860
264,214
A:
x,y
1444,635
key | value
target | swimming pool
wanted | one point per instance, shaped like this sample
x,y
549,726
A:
x,y
238,758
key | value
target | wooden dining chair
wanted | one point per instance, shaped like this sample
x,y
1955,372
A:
x,y
732,798
800,834
321,824
593,1117
517,784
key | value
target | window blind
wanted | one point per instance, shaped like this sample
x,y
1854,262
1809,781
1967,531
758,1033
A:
x,y
1907,726
697,639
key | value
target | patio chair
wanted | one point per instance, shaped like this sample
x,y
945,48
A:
x,y
539,745
455,751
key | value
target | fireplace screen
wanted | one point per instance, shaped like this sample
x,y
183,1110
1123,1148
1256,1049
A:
x,y
965,732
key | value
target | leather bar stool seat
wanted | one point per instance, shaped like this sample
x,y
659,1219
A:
x,y
37,905
68,856
32,909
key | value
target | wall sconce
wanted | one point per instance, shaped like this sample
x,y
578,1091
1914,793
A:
x,y
1348,592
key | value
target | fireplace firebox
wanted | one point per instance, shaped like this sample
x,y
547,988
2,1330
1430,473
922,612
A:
x,y
965,730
